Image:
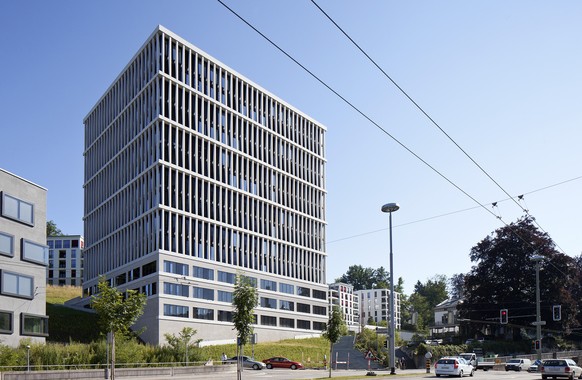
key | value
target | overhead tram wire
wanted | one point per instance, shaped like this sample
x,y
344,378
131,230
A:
x,y
453,212
355,108
371,120
428,116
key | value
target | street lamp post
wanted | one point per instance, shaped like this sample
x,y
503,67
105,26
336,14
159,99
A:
x,y
537,258
27,358
390,208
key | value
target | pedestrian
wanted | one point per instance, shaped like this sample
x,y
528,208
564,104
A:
x,y
402,363
224,358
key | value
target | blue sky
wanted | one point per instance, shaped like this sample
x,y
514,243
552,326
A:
x,y
501,78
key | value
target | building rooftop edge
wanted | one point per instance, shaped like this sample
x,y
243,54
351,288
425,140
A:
x,y
165,30
23,179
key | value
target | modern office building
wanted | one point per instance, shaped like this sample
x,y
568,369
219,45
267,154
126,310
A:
x,y
342,295
375,306
194,174
65,264
23,260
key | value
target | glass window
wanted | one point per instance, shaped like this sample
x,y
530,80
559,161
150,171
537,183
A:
x,y
176,289
75,243
303,324
287,322
286,305
227,277
5,322
66,244
268,320
203,293
34,253
319,326
6,244
51,243
176,311
18,285
224,316
319,294
58,244
269,285
224,296
203,313
286,288
251,280
204,273
270,303
16,209
305,292
35,325
303,308
319,310
176,268
149,268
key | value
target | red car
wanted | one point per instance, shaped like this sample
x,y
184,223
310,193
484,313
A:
x,y
279,362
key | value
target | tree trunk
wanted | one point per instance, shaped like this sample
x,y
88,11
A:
x,y
112,355
330,357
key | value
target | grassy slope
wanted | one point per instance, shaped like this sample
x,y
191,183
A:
x,y
65,324
71,325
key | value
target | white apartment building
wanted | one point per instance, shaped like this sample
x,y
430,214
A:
x,y
194,174
23,260
65,264
375,306
342,295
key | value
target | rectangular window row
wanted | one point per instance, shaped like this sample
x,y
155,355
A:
x,y
181,311
30,324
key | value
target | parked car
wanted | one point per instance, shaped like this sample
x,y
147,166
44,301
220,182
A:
x,y
560,368
280,362
535,366
453,367
247,362
517,364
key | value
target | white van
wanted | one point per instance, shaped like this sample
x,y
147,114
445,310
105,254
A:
x,y
517,364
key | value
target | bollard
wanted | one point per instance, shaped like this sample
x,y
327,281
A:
x,y
427,366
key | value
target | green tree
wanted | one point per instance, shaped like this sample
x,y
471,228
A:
x,y
425,297
181,344
334,329
116,314
52,229
365,278
503,277
244,300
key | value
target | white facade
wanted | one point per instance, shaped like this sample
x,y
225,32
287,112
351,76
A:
x,y
65,264
23,260
194,174
342,295
375,305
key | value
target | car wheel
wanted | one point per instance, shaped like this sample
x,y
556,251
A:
x,y
255,366
269,366
293,366
544,377
437,375
461,373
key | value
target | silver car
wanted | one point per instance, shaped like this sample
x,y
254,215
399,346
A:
x,y
247,362
456,366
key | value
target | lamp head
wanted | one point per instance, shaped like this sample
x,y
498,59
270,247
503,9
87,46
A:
x,y
390,207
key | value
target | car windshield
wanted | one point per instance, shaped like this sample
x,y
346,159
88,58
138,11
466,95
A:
x,y
514,361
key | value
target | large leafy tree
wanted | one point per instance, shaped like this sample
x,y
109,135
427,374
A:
x,y
116,313
503,277
52,229
365,278
425,297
